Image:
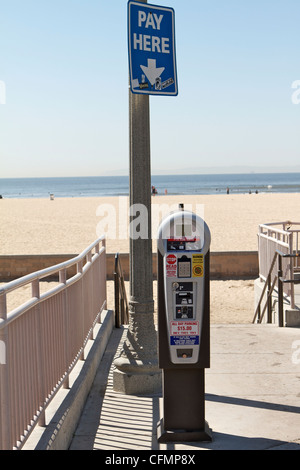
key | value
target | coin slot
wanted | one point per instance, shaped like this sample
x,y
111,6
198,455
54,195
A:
x,y
184,353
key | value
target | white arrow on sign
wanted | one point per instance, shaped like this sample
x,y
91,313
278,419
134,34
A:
x,y
151,72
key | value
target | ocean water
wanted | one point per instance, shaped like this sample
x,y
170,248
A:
x,y
99,186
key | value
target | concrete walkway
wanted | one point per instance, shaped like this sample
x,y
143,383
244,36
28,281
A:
x,y
252,397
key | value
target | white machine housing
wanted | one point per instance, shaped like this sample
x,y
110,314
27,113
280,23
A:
x,y
183,241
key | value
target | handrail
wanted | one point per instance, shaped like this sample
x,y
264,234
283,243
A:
x,y
270,290
61,268
285,237
12,285
281,281
42,339
278,254
121,303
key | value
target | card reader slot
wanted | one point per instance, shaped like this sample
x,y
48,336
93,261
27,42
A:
x,y
184,298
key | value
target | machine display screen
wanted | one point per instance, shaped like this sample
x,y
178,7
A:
x,y
184,244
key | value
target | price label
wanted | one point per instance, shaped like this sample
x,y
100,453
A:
x,y
184,328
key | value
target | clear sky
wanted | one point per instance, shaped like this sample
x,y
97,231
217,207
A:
x,y
64,64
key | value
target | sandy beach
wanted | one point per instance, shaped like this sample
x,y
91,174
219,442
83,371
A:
x,y
69,225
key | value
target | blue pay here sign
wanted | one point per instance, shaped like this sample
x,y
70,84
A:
x,y
151,46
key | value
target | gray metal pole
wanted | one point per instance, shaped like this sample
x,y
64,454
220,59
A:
x,y
137,369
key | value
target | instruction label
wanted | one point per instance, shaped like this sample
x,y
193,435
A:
x,y
171,265
197,266
184,333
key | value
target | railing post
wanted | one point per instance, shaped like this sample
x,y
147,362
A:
x,y
117,301
102,274
121,305
62,277
258,314
5,422
122,310
280,292
95,286
35,288
269,300
35,292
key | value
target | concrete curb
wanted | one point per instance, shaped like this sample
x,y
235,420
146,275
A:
x,y
58,434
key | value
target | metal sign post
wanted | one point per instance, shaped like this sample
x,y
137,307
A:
x,y
137,370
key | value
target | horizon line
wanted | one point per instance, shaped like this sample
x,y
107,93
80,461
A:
x,y
208,172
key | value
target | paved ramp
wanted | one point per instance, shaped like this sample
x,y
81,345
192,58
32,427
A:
x,y
252,397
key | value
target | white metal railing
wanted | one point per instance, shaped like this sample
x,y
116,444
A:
x,y
282,236
42,339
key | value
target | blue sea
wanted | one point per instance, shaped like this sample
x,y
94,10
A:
x,y
99,186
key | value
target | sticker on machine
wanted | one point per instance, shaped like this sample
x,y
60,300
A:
x,y
171,265
197,267
184,333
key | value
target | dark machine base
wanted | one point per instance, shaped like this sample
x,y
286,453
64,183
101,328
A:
x,y
181,435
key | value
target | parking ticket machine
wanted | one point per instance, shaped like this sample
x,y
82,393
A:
x,y
183,325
